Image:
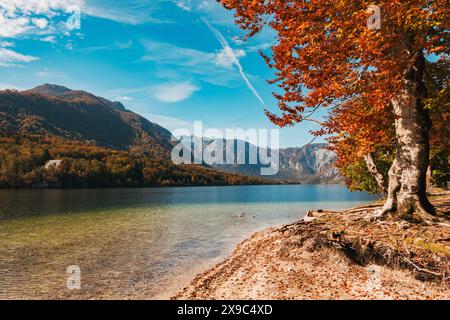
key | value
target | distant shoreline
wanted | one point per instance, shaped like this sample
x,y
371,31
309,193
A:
x,y
275,183
158,187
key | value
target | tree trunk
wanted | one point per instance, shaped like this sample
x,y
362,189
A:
x,y
381,183
429,177
407,176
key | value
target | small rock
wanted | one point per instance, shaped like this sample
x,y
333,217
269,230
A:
x,y
240,215
310,214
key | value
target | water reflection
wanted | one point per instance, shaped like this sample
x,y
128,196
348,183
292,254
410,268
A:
x,y
137,243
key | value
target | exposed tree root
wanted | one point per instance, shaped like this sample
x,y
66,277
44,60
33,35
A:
x,y
388,211
420,244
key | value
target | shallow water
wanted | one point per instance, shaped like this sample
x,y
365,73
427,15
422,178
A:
x,y
138,243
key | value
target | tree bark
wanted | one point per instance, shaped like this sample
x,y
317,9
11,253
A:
x,y
372,167
429,177
407,176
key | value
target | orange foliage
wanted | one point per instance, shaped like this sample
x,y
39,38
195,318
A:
x,y
326,56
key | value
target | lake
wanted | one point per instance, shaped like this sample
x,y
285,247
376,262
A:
x,y
138,243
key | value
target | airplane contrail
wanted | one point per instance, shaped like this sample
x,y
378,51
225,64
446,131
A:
x,y
226,46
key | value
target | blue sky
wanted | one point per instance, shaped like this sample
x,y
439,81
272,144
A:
x,y
172,61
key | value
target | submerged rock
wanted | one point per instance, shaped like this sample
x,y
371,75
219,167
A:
x,y
239,215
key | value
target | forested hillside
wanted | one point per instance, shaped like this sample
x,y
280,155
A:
x,y
52,136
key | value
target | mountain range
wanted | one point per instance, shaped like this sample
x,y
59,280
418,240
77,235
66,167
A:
x,y
312,163
74,115
79,115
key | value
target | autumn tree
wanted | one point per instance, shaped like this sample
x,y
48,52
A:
x,y
329,54
365,149
362,145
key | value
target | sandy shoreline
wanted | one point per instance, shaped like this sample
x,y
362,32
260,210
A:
x,y
335,255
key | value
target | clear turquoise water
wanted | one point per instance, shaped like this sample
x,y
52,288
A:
x,y
138,243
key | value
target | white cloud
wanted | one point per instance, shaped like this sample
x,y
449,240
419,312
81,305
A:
x,y
51,75
170,123
41,23
167,53
51,39
16,16
137,12
7,44
238,41
228,57
211,9
19,17
133,12
124,45
123,98
173,92
11,27
187,62
11,7
184,4
215,12
10,58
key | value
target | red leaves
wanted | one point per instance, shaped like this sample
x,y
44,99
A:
x,y
327,57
